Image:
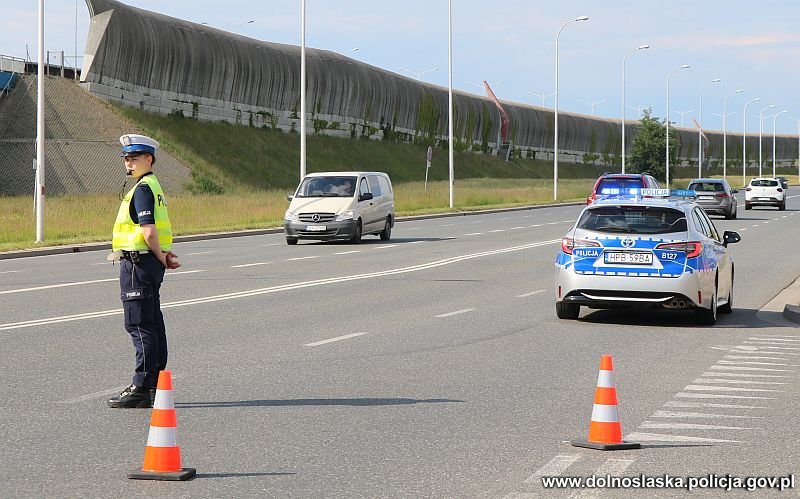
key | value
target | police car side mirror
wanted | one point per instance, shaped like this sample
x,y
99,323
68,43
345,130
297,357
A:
x,y
289,196
730,236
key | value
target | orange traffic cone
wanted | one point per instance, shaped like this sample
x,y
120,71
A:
x,y
162,456
605,430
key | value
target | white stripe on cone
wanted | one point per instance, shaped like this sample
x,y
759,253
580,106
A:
x,y
163,400
605,413
605,379
160,436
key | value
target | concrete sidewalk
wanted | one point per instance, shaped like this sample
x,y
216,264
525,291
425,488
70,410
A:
x,y
787,303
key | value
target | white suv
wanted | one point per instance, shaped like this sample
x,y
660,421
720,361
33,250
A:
x,y
765,191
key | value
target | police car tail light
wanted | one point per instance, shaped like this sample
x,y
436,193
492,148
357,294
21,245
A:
x,y
568,243
691,248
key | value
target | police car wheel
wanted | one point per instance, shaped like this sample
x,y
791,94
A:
x,y
567,310
706,316
728,307
291,241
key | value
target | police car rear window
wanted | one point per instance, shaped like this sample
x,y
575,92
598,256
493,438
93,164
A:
x,y
633,220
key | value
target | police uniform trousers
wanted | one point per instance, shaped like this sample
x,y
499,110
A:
x,y
140,283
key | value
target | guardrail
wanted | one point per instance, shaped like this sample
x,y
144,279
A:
x,y
12,64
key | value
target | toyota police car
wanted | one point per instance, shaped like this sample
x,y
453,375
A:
x,y
645,248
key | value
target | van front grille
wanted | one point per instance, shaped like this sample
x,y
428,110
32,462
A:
x,y
317,217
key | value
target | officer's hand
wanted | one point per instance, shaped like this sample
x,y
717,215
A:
x,y
172,261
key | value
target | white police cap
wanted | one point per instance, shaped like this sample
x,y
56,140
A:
x,y
133,143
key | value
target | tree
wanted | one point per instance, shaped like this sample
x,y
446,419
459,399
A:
x,y
648,148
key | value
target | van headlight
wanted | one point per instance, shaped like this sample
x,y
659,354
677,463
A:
x,y
291,217
345,215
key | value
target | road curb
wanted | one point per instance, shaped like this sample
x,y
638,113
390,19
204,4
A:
x,y
791,313
84,247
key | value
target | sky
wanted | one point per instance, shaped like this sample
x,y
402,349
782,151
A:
x,y
753,46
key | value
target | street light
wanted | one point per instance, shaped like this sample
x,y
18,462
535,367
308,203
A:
x,y
700,130
479,85
229,28
354,49
592,103
542,96
683,113
685,66
760,134
640,47
302,89
774,122
724,133
417,74
744,139
555,113
450,98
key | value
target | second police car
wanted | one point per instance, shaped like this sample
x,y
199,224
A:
x,y
651,248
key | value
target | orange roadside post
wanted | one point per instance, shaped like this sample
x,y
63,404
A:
x,y
162,456
605,430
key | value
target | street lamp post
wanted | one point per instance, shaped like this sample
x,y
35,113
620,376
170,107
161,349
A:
x,y
481,86
685,66
555,114
774,123
724,133
302,89
683,113
624,59
700,131
229,28
760,134
542,96
744,139
798,144
39,194
592,103
418,74
450,98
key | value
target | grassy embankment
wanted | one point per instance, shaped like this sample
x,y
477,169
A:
x,y
257,167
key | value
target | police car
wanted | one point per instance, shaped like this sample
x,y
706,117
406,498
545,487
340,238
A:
x,y
651,248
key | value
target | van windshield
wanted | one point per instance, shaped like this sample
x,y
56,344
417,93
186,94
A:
x,y
334,186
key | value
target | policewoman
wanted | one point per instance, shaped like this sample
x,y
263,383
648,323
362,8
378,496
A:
x,y
142,242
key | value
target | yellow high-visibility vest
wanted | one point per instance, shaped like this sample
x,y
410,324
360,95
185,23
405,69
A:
x,y
128,236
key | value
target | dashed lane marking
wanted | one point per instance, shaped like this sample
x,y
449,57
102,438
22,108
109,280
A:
x,y
474,234
525,295
200,253
249,265
53,286
331,340
457,312
385,246
15,271
301,258
182,272
347,252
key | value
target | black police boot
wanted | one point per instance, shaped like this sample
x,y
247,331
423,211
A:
x,y
133,397
153,395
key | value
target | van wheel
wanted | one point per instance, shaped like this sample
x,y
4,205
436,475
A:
x,y
291,241
357,234
387,230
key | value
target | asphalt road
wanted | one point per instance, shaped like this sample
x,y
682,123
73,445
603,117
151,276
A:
x,y
429,366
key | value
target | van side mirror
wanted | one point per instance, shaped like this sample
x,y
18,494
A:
x,y
289,196
730,236
365,197
734,191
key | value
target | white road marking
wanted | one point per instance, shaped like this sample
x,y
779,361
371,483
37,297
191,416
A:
x,y
200,253
249,265
744,375
331,340
553,223
416,242
347,252
776,339
736,381
474,234
302,258
284,287
271,244
717,396
498,230
14,271
744,363
778,336
688,426
743,368
679,403
655,437
531,293
386,246
457,312
505,218
567,221
748,357
769,347
516,228
698,415
184,272
536,225
705,388
53,286
555,467
447,225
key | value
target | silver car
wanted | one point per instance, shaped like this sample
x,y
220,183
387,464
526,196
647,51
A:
x,y
645,252
715,196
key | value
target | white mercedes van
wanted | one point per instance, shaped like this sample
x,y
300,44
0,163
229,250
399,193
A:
x,y
340,206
